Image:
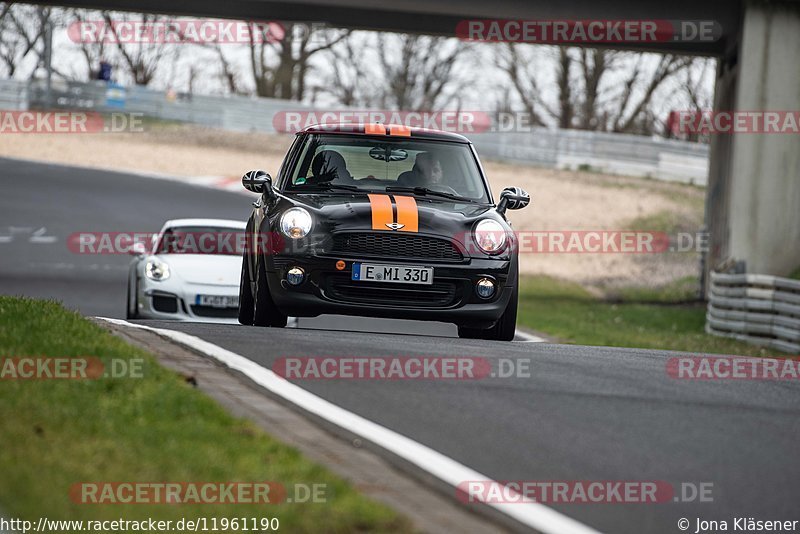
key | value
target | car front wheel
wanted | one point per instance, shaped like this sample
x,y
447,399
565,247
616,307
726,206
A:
x,y
265,313
246,304
132,306
503,330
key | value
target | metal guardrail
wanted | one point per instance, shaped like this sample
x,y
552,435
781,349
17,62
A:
x,y
13,95
625,154
631,155
758,309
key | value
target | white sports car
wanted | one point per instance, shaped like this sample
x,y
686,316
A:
x,y
191,272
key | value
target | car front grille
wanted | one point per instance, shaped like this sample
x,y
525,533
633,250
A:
x,y
395,245
437,295
210,311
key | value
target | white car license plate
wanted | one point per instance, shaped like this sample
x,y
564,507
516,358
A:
x,y
217,301
396,274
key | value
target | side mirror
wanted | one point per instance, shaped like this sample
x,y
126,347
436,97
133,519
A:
x,y
513,198
137,249
258,182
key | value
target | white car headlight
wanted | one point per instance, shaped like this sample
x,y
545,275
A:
x,y
296,223
490,236
156,270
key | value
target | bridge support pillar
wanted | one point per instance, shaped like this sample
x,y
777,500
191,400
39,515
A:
x,y
753,205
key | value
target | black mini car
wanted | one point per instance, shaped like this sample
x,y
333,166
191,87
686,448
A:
x,y
381,221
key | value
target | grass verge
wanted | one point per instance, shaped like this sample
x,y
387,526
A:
x,y
641,318
156,428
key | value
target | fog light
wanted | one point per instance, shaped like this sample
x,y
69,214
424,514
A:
x,y
484,288
295,276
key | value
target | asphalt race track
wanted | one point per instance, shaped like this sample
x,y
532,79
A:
x,y
585,413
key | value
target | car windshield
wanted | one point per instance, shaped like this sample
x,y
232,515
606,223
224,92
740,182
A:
x,y
215,240
438,169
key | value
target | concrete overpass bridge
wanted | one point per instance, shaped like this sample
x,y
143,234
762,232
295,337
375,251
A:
x,y
753,201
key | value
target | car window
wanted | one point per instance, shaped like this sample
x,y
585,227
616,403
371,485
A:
x,y
200,240
372,165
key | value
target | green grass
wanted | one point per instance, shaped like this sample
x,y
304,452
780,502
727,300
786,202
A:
x,y
153,429
795,275
643,318
681,291
670,222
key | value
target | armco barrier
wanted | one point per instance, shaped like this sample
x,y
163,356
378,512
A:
x,y
631,155
756,308
625,154
13,95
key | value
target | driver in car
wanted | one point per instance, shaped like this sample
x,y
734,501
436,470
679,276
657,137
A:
x,y
426,172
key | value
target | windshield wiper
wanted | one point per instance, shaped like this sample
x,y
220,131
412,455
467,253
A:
x,y
327,186
424,191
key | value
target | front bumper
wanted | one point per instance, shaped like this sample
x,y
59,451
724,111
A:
x,y
177,301
451,298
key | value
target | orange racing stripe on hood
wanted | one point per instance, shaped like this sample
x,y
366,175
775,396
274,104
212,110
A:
x,y
381,211
407,213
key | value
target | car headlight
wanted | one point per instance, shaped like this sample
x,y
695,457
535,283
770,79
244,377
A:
x,y
490,236
156,270
296,223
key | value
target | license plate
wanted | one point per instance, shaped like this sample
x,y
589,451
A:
x,y
216,301
396,274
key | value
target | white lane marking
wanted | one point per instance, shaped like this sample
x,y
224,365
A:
x,y
533,515
528,338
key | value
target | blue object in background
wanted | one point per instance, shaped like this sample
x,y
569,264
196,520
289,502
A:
x,y
104,73
115,96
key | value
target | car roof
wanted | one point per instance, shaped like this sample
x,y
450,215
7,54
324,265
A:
x,y
384,130
222,223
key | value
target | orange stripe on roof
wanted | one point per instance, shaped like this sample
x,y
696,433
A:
x,y
399,130
407,213
381,211
374,128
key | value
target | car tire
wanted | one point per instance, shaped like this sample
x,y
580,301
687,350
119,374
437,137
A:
x,y
246,304
131,307
503,330
265,313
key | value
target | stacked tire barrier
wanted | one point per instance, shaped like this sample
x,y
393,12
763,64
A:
x,y
756,308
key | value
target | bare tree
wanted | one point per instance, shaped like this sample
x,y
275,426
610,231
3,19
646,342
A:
x,y
594,89
230,75
140,60
694,94
280,67
21,33
521,70
631,112
92,52
421,75
346,81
